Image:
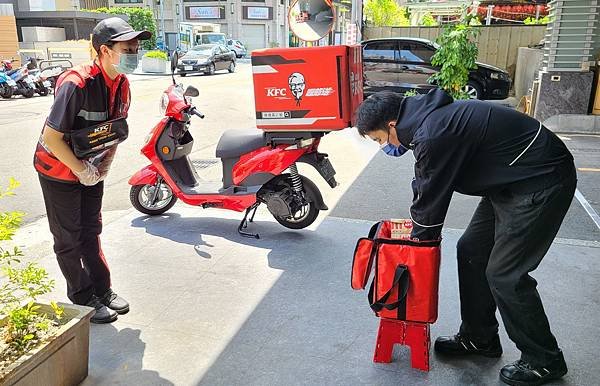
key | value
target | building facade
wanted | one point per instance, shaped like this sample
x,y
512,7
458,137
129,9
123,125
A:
x,y
256,23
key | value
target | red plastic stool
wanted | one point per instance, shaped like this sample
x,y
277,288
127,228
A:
x,y
412,334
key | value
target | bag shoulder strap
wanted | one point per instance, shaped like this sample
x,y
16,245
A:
x,y
401,278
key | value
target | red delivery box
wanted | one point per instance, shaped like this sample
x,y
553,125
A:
x,y
307,89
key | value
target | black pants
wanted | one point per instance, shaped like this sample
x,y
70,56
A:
x,y
506,239
76,223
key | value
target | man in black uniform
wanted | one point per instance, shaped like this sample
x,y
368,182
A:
x,y
526,179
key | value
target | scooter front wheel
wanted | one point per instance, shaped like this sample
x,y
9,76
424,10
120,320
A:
x,y
147,200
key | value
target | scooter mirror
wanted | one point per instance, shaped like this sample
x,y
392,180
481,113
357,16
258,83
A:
x,y
191,91
174,58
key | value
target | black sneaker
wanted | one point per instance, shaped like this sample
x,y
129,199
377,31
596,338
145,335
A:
x,y
460,345
113,301
103,314
522,373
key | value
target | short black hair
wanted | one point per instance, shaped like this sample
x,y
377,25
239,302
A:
x,y
377,110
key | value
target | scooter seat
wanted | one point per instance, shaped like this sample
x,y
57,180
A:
x,y
9,73
234,143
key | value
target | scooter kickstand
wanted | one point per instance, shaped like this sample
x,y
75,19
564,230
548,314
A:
x,y
244,223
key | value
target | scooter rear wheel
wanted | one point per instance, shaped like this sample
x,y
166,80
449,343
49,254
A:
x,y
141,196
306,214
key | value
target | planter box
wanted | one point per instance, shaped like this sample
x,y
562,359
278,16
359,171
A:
x,y
154,65
63,361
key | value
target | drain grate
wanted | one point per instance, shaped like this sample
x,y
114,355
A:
x,y
204,163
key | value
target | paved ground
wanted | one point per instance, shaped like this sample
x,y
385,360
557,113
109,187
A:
x,y
211,308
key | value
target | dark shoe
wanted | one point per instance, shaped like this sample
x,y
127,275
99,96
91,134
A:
x,y
522,373
115,302
461,345
103,314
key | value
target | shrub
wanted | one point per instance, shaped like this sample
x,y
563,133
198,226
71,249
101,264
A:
x,y
156,55
428,20
139,18
455,57
383,13
20,286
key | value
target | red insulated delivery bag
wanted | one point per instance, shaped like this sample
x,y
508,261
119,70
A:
x,y
405,283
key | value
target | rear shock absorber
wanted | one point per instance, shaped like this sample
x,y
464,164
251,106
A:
x,y
295,177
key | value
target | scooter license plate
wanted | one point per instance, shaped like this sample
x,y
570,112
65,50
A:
x,y
188,68
47,83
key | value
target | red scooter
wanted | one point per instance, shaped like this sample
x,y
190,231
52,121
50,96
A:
x,y
258,167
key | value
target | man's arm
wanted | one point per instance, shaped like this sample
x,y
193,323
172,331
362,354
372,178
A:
x,y
56,144
438,162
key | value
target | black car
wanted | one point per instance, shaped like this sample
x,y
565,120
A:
x,y
206,58
403,64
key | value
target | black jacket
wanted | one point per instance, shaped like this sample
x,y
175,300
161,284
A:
x,y
475,148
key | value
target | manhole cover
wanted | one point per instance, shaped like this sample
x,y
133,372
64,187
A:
x,y
204,163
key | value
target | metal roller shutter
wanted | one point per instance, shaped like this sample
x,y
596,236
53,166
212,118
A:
x,y
253,36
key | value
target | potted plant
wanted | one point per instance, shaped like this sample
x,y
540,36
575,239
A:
x,y
40,344
154,61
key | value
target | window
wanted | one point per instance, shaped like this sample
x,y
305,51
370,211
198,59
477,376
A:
x,y
381,51
415,52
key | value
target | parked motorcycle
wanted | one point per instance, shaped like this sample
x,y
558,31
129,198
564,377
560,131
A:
x,y
25,84
7,86
42,85
258,168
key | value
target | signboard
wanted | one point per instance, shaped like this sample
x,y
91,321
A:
x,y
257,13
197,13
260,13
351,34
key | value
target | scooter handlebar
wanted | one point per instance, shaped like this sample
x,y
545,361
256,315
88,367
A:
x,y
197,113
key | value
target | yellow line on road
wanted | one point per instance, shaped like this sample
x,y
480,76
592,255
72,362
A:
x,y
588,169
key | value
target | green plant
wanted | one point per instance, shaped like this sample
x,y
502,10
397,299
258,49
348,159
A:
x,y
383,13
428,20
410,93
139,18
455,57
534,21
156,55
20,286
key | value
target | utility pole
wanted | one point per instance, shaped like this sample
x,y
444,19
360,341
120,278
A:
x,y
356,18
162,24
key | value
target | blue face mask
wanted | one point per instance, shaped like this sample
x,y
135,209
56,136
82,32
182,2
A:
x,y
394,151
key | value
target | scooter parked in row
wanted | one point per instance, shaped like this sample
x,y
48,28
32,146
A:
x,y
42,86
258,168
25,83
7,86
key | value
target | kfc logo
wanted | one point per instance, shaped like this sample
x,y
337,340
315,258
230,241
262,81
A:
x,y
276,92
297,86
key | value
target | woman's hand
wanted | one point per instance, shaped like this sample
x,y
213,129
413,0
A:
x,y
89,175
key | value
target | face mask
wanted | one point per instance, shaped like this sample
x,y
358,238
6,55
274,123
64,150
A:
x,y
394,151
127,63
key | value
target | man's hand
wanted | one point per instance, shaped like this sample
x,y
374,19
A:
x,y
89,175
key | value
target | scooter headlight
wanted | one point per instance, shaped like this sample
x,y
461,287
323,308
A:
x,y
164,102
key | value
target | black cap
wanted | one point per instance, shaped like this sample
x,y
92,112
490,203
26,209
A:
x,y
115,29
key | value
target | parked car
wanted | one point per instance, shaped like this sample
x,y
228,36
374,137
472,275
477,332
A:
x,y
237,47
207,59
402,64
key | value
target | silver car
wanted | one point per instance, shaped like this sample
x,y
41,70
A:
x,y
237,47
